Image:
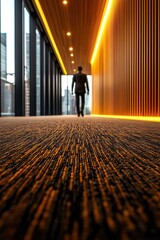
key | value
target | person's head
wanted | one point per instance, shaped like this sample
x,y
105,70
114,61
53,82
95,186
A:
x,y
79,69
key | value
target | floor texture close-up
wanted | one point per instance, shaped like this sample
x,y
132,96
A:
x,y
88,178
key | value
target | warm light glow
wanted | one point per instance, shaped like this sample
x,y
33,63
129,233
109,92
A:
x,y
105,16
71,54
65,2
68,33
39,8
71,49
72,62
137,118
74,70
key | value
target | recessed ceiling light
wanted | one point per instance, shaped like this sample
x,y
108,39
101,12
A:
x,y
68,33
74,70
72,62
71,49
71,54
65,2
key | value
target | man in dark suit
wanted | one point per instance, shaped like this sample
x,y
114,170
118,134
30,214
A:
x,y
80,80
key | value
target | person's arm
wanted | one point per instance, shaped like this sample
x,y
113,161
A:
x,y
73,83
87,85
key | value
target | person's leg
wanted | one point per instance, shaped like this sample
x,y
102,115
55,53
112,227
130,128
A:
x,y
83,102
77,104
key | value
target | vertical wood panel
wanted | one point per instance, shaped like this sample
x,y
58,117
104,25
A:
x,y
140,57
154,57
137,62
143,57
132,86
158,56
146,59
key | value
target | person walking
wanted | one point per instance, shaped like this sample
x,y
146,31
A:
x,y
81,83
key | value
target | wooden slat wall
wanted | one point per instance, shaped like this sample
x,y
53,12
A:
x,y
126,75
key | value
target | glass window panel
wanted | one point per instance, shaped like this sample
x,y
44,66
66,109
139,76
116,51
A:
x,y
38,89
27,61
68,100
7,58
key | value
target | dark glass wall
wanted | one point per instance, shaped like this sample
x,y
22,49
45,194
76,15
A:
x,y
33,85
7,58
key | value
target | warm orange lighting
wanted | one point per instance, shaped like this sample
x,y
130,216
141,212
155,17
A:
x,y
74,70
72,62
71,54
107,10
71,49
39,8
65,2
68,33
137,118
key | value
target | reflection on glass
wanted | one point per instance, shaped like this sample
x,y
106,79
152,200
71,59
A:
x,y
27,61
68,100
38,93
7,70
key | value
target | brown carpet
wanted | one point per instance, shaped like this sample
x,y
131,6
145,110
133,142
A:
x,y
79,178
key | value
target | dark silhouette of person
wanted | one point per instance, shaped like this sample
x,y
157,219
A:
x,y
81,83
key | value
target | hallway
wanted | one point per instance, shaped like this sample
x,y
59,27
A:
x,y
65,177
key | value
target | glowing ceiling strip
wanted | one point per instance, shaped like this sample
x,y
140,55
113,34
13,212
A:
x,y
137,118
105,16
39,8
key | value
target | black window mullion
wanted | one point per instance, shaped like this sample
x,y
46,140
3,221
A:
x,y
57,100
19,59
51,84
60,93
42,76
54,87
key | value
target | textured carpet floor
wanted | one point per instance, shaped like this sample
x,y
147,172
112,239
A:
x,y
79,178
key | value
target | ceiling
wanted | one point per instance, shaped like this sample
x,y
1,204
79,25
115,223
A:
x,y
81,18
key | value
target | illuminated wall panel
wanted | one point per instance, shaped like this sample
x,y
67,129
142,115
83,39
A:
x,y
126,75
